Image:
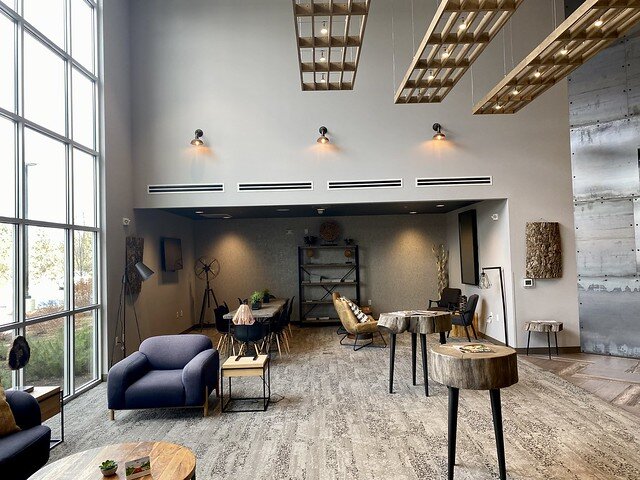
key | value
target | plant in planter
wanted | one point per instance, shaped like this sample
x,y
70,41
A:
x,y
256,300
108,468
266,295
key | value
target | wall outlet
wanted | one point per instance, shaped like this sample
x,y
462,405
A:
x,y
177,314
181,314
369,302
490,317
306,231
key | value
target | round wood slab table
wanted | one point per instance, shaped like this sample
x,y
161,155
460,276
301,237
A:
x,y
456,368
168,462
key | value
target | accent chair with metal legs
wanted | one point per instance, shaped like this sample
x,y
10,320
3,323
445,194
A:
x,y
359,330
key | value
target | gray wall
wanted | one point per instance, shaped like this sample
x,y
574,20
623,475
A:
x,y
397,265
605,102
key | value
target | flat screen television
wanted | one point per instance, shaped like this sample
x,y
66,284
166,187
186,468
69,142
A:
x,y
171,254
468,231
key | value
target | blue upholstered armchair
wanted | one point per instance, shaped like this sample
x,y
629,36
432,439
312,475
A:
x,y
23,453
167,371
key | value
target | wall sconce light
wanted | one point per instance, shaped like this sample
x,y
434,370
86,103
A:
x,y
438,129
197,140
323,135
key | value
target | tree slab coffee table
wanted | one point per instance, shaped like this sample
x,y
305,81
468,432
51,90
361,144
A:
x,y
168,462
466,366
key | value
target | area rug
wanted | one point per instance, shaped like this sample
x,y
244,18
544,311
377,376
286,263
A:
x,y
334,419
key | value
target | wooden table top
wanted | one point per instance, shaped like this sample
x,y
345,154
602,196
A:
x,y
168,462
40,393
474,371
267,311
416,321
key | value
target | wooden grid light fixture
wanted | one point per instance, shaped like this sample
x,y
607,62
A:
x,y
457,35
588,30
329,35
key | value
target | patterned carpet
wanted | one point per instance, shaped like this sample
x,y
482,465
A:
x,y
337,421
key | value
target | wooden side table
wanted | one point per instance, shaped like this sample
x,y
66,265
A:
x,y
246,367
50,401
544,326
491,371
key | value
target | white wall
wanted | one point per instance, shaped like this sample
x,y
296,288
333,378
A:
x,y
502,243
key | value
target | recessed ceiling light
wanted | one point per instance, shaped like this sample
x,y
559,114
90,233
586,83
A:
x,y
440,205
537,74
431,76
462,27
323,79
199,212
598,23
497,106
322,57
282,210
564,51
445,54
413,213
516,91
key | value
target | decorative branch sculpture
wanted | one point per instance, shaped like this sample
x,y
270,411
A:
x,y
442,259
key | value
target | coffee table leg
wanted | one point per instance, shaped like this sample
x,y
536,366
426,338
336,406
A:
x,y
425,368
443,338
392,359
557,351
549,344
528,340
496,409
454,395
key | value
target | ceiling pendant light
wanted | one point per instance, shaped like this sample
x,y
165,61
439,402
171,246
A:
x,y
323,79
197,140
439,133
564,51
537,74
445,54
322,57
516,91
431,75
323,139
463,26
598,23
324,30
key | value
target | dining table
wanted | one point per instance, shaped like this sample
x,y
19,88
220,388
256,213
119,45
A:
x,y
417,322
264,314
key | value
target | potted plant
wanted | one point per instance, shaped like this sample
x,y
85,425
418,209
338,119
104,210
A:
x,y
108,468
256,300
266,295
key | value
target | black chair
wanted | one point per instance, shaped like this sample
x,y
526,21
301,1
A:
x,y
224,329
242,302
248,335
277,328
449,300
465,317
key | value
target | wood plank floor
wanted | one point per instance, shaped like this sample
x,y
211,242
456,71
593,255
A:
x,y
614,379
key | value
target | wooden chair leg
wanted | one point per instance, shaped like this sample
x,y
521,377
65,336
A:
x,y
206,401
112,415
278,343
219,342
286,342
255,346
290,334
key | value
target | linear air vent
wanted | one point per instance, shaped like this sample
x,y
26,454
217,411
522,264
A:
x,y
453,181
359,184
186,188
274,186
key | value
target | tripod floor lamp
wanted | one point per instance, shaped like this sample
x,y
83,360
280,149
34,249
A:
x,y
485,283
145,274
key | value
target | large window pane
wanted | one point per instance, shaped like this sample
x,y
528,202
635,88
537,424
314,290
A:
x,y
84,189
6,339
45,289
46,366
82,33
44,97
83,110
48,17
7,273
7,167
7,63
85,348
44,173
84,269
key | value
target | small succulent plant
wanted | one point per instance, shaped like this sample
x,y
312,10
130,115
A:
x,y
108,465
256,297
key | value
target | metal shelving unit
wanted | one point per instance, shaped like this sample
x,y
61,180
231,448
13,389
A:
x,y
318,280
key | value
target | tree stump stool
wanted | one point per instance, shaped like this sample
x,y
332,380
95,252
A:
x,y
543,326
491,371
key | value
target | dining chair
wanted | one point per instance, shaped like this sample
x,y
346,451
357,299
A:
x,y
278,328
289,316
225,343
449,300
464,318
248,335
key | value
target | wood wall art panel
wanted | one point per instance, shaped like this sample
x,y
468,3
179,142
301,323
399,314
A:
x,y
544,250
588,30
457,35
329,36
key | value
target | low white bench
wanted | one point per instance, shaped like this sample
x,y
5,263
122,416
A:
x,y
543,326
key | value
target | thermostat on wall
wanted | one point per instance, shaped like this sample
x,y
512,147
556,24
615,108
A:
x,y
528,282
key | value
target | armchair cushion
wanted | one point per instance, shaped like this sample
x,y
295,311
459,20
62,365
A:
x,y
359,314
200,372
8,423
156,389
122,375
25,452
172,352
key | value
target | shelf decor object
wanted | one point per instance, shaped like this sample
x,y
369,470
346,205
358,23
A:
x,y
457,35
544,250
589,29
329,37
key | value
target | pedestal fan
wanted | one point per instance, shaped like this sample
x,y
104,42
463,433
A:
x,y
207,269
